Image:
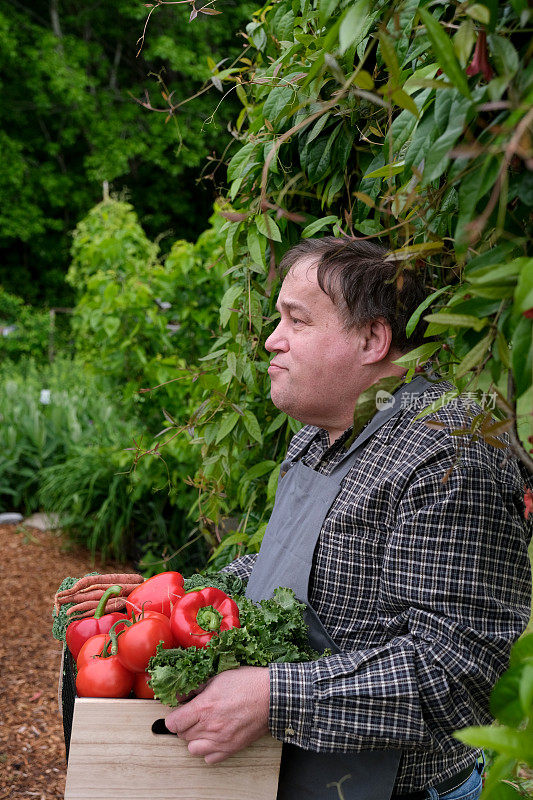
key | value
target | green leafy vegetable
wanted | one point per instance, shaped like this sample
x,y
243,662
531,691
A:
x,y
271,631
226,581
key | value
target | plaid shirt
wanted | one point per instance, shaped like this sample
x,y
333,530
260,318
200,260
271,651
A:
x,y
422,584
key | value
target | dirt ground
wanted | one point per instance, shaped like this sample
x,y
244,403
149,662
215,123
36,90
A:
x,y
32,751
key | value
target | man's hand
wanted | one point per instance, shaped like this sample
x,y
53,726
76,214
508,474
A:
x,y
228,715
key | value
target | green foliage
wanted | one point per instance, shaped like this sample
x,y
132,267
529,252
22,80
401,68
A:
x,y
69,457
72,89
271,631
512,738
29,332
390,119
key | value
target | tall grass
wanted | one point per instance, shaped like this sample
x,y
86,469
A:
x,y
69,457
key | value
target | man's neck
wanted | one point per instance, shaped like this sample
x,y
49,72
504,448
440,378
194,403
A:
x,y
366,405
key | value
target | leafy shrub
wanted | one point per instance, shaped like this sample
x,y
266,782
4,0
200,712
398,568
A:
x,y
29,331
394,120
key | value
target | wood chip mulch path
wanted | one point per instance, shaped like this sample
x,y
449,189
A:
x,y
32,751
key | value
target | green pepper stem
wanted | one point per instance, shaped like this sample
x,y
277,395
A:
x,y
113,591
209,618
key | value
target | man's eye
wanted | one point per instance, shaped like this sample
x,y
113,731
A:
x,y
296,321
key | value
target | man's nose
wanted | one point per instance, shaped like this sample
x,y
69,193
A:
x,y
277,340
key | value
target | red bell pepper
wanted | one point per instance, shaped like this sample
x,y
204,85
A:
x,y
82,629
157,594
201,614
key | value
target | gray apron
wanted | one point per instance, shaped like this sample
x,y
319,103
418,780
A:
x,y
303,500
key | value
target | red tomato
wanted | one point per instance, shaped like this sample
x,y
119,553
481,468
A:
x,y
92,647
157,594
140,686
138,643
104,677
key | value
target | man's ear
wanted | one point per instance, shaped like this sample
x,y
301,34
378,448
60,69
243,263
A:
x,y
377,340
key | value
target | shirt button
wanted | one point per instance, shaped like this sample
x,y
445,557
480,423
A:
x,y
290,731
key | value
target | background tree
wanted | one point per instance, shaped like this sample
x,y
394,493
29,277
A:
x,y
69,122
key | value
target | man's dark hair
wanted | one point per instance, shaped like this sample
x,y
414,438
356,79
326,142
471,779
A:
x,y
363,286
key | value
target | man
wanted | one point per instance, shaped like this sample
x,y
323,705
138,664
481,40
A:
x,y
416,577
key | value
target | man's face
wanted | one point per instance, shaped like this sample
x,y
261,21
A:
x,y
315,372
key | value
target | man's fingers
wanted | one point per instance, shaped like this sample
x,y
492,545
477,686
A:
x,y
207,749
181,719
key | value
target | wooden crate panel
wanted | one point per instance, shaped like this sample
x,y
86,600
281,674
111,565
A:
x,y
114,754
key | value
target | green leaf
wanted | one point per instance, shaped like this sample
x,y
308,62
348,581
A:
x,y
522,355
252,426
518,744
213,355
227,424
474,356
278,103
229,300
353,25
423,138
326,8
276,423
386,171
438,157
419,355
111,326
444,51
402,99
505,57
268,229
319,156
522,650
240,158
258,470
478,12
389,56
526,691
415,316
273,483
464,41
458,320
505,698
255,247
504,791
523,296
318,126
496,274
408,251
318,225
232,363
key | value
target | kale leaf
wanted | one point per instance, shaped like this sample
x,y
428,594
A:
x,y
226,581
273,630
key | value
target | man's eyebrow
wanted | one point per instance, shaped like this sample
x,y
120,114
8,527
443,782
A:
x,y
292,305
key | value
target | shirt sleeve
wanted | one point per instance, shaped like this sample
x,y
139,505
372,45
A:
x,y
242,567
454,595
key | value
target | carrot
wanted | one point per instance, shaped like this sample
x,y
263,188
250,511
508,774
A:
x,y
126,588
89,606
102,580
94,594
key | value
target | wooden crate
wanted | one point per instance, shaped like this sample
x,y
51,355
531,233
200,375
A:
x,y
115,754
